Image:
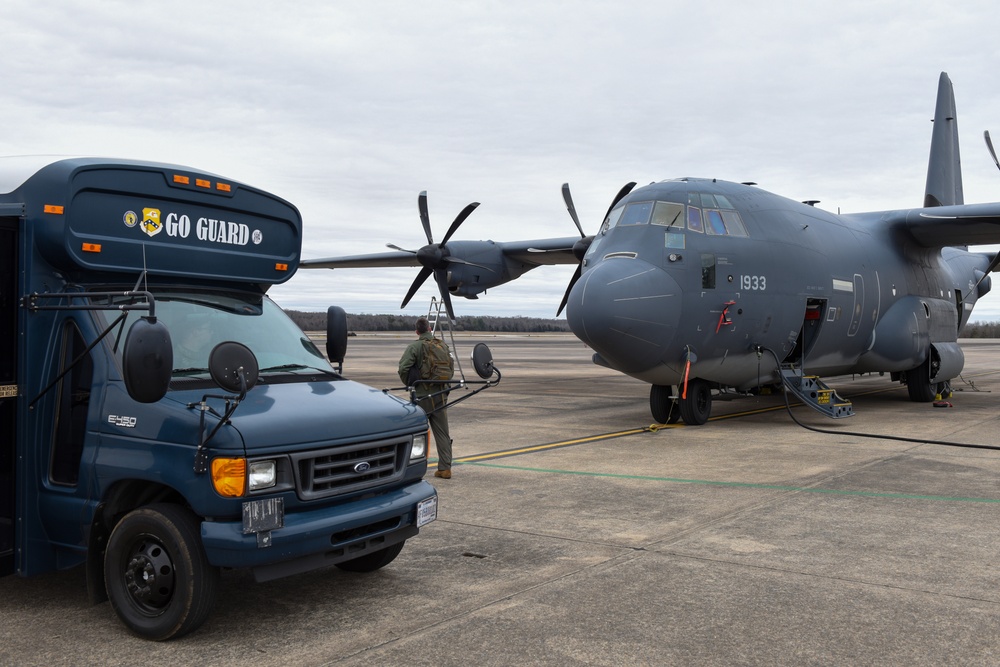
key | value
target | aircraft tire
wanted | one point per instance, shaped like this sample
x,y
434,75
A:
x,y
662,406
919,386
696,408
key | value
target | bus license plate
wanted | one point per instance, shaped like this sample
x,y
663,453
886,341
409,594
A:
x,y
427,511
262,515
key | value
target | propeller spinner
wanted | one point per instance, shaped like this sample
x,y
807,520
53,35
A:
x,y
580,247
435,257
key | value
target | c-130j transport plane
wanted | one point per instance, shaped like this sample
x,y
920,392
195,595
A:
x,y
703,287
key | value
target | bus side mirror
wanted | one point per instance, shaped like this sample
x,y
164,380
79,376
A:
x,y
336,334
147,360
482,360
233,367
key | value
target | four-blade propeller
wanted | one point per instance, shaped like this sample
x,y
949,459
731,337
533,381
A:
x,y
989,145
580,247
434,257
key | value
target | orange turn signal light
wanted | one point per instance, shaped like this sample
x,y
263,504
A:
x,y
229,477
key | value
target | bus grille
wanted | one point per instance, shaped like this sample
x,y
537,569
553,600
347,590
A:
x,y
349,468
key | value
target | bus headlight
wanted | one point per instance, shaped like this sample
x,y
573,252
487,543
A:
x,y
263,475
418,449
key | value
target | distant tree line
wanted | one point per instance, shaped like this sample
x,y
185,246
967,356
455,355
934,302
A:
x,y
311,321
981,330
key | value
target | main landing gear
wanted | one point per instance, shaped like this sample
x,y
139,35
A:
x,y
669,405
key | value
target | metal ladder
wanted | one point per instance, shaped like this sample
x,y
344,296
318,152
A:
x,y
815,393
434,318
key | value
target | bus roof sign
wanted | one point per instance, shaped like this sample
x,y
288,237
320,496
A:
x,y
121,216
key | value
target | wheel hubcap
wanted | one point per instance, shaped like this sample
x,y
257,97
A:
x,y
149,576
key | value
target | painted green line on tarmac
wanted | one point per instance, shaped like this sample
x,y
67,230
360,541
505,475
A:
x,y
746,485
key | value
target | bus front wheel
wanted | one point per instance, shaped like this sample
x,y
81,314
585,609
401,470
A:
x,y
158,579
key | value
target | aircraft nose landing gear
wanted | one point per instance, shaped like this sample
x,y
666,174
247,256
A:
x,y
669,406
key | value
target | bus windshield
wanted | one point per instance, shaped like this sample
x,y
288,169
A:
x,y
198,321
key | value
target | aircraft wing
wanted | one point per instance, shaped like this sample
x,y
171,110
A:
x,y
375,260
940,226
534,252
541,251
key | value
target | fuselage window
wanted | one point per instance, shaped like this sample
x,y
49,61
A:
x,y
636,214
708,201
694,219
668,214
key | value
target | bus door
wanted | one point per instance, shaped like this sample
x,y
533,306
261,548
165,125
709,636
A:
x,y
8,387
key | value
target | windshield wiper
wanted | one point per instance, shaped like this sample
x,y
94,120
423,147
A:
x,y
188,371
296,367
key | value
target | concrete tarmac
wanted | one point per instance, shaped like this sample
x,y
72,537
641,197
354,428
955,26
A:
x,y
573,534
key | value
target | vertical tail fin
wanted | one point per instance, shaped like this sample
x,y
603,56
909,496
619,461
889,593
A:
x,y
944,169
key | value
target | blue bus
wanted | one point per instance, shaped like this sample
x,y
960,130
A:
x,y
160,417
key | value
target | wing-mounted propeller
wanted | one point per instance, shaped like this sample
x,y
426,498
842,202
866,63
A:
x,y
580,247
996,258
989,145
434,257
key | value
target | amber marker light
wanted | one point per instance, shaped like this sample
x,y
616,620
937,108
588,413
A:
x,y
183,180
229,477
53,208
280,267
202,183
92,247
223,187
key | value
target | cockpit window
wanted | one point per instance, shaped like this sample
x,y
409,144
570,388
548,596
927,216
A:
x,y
694,219
612,218
669,214
636,214
734,223
719,217
715,223
705,213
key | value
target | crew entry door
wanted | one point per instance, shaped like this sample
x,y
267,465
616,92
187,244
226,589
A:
x,y
8,388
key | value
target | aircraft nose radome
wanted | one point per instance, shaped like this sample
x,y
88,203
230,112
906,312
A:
x,y
627,310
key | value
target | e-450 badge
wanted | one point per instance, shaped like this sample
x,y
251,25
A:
x,y
121,420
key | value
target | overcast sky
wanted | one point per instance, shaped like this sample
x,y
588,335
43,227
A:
x,y
349,110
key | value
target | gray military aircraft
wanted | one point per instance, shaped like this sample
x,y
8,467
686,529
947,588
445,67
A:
x,y
703,287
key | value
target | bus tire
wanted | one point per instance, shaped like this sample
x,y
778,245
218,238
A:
x,y
158,578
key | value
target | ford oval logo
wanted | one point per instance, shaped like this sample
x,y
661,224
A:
x,y
364,466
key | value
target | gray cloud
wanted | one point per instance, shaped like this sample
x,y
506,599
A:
x,y
349,111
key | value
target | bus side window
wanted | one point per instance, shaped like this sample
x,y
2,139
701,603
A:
x,y
73,394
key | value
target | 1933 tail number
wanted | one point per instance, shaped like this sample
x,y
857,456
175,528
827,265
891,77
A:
x,y
753,283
